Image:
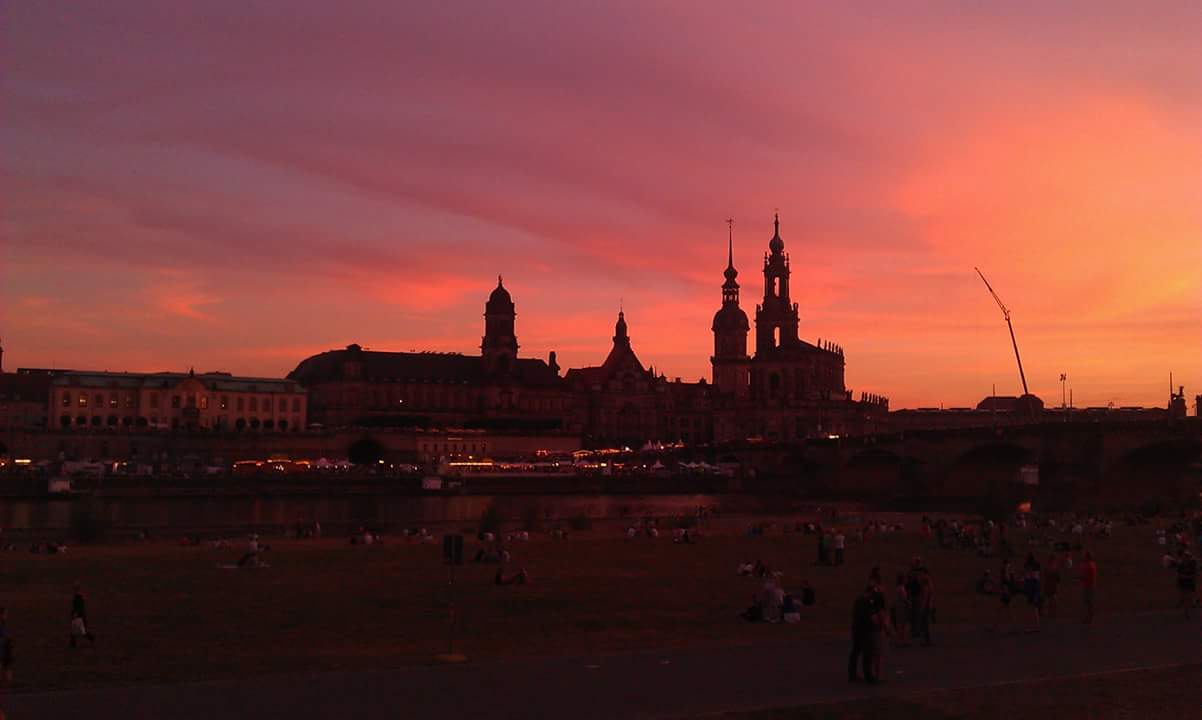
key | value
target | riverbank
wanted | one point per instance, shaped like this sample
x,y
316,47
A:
x,y
165,613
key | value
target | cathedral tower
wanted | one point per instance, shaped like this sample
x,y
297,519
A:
x,y
730,333
776,317
499,346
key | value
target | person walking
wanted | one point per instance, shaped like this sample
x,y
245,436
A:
x,y
79,618
1089,584
862,617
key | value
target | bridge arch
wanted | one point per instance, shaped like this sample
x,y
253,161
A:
x,y
1167,472
987,469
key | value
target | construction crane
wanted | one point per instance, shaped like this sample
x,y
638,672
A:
x,y
1006,314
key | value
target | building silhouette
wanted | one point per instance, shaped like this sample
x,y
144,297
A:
x,y
789,389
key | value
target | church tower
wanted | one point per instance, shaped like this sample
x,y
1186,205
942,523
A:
x,y
499,346
776,317
730,332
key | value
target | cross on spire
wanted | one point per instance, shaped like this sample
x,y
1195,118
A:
x,y
730,242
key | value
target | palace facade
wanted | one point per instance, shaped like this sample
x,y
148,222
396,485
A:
x,y
788,389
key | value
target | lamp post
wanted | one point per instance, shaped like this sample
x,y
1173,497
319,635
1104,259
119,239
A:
x,y
1064,395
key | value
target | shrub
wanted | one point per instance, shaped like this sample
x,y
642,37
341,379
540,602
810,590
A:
x,y
365,451
580,521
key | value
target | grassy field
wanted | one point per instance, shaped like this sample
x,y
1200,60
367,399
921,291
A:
x,y
1162,693
165,613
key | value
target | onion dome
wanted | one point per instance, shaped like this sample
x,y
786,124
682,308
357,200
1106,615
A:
x,y
776,245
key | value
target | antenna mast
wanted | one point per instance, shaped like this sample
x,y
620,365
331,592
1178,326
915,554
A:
x,y
1006,314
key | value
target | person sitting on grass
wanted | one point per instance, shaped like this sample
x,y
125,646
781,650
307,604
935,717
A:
x,y
807,594
251,557
521,577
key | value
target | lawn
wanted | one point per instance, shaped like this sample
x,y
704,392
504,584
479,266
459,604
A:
x,y
166,613
1160,693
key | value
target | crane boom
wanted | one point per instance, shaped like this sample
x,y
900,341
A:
x,y
1006,314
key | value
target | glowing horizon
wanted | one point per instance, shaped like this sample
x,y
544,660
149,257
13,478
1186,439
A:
x,y
235,189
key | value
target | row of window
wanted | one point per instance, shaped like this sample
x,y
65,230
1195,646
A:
x,y
455,448
66,421
454,399
191,400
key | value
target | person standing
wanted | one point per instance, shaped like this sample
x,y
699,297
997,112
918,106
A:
x,y
6,650
1031,589
1051,584
79,618
1089,584
840,546
862,615
901,613
1187,582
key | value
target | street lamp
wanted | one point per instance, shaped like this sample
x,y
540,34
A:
x,y
1063,395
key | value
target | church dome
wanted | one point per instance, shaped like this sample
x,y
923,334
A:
x,y
731,318
499,300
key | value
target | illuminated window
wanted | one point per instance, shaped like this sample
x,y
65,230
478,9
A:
x,y
225,402
83,400
66,399
112,400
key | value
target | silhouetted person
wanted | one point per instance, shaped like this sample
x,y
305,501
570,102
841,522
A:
x,y
862,627
79,618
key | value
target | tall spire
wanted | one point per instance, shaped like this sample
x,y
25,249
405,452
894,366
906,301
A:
x,y
776,245
730,271
499,282
621,338
730,242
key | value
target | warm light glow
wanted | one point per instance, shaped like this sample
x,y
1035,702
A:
x,y
260,211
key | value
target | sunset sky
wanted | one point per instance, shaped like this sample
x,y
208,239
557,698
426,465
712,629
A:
x,y
237,185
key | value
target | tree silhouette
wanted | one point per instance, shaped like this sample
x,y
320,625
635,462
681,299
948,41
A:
x,y
365,451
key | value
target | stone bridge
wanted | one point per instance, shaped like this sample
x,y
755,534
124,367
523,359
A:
x,y
1123,463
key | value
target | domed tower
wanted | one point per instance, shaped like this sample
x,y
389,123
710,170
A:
x,y
730,333
499,346
775,319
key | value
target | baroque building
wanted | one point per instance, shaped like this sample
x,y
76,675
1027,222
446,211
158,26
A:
x,y
496,390
789,389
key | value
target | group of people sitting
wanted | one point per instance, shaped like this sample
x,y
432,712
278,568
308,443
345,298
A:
x,y
419,535
304,530
367,536
52,547
771,603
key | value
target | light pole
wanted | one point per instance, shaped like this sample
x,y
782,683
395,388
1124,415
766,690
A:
x,y
1064,395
